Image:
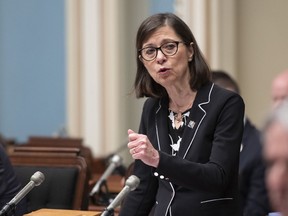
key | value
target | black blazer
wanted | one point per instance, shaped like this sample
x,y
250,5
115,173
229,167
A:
x,y
202,179
252,186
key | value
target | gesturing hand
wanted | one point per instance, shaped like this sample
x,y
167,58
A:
x,y
141,148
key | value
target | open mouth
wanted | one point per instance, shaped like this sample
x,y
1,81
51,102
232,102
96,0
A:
x,y
163,70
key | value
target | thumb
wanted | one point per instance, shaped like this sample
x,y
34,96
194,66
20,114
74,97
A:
x,y
130,131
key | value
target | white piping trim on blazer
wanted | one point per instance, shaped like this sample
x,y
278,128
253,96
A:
x,y
173,195
158,141
199,105
214,200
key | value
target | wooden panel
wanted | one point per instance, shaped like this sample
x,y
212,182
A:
x,y
50,158
58,212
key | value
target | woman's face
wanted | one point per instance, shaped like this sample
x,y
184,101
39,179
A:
x,y
168,70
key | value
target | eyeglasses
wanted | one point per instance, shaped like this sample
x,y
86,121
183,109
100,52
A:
x,y
168,49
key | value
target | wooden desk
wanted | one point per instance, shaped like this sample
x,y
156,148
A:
x,y
102,208
62,212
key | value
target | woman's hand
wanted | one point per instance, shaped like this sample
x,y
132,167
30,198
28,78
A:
x,y
141,148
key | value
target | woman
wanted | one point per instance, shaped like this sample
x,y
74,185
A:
x,y
187,149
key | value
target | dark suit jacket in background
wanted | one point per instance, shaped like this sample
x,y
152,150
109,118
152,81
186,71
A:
x,y
202,179
252,174
9,184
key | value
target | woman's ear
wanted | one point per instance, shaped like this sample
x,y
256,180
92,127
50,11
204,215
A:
x,y
190,52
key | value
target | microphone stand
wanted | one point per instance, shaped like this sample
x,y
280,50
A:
x,y
115,162
108,212
103,197
8,210
36,179
131,184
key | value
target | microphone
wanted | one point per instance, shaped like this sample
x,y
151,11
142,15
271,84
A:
x,y
115,161
36,179
131,184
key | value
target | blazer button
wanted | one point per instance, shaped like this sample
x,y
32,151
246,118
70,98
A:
x,y
156,174
161,177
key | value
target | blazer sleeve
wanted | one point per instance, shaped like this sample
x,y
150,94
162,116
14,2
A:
x,y
140,201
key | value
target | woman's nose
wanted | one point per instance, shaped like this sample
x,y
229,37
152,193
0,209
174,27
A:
x,y
160,56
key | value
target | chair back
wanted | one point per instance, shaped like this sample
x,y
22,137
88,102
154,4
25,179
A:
x,y
66,181
63,142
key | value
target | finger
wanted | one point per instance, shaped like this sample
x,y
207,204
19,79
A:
x,y
130,131
133,144
133,151
132,136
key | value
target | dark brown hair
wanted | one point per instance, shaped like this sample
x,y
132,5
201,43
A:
x,y
144,84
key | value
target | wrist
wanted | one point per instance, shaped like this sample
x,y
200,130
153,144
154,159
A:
x,y
156,158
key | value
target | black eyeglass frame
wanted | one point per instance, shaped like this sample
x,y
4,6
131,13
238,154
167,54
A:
x,y
160,48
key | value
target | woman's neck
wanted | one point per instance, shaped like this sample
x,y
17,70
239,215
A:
x,y
181,101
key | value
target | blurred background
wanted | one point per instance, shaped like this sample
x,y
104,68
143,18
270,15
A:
x,y
67,67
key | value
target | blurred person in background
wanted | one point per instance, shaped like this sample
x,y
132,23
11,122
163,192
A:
x,y
279,88
253,193
275,151
279,93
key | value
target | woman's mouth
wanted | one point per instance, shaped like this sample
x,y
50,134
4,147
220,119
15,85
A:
x,y
163,70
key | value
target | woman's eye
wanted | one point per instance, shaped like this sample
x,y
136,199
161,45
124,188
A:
x,y
150,51
169,46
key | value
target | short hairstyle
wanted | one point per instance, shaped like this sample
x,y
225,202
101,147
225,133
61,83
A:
x,y
144,84
223,79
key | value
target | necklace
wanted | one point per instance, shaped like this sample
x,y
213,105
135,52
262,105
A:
x,y
178,117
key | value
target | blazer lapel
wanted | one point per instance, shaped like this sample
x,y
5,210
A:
x,y
197,115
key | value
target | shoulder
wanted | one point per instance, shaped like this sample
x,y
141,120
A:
x,y
251,135
250,126
150,102
217,96
153,104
